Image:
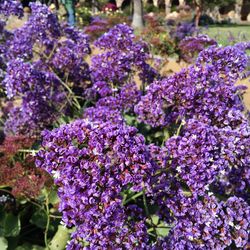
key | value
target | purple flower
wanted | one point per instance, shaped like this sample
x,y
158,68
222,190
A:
x,y
111,108
11,7
204,91
121,57
191,46
93,162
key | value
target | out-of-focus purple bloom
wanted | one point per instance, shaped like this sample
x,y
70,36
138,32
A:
x,y
11,7
182,30
191,46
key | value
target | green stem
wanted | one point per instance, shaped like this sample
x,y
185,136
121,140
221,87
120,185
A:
x,y
77,104
124,198
166,136
145,203
133,197
36,204
32,151
180,127
153,228
48,222
55,216
147,212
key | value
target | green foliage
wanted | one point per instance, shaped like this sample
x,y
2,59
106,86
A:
x,y
150,8
220,3
228,34
9,224
3,243
28,246
210,4
53,197
83,15
39,218
157,37
60,239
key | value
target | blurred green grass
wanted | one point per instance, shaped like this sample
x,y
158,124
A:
x,y
228,34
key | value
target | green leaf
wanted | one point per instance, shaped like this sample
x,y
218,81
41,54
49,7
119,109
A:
x,y
163,229
39,218
163,232
155,219
27,246
3,243
10,225
53,197
60,239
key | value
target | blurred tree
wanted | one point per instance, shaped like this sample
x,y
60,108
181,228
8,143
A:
x,y
167,6
156,3
203,5
94,6
138,14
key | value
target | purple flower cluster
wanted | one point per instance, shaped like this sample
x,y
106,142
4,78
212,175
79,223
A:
x,y
191,46
198,219
112,107
110,182
40,94
204,91
182,30
42,29
236,180
204,154
11,7
106,109
58,46
44,86
97,27
207,152
209,224
4,36
227,62
68,59
121,59
92,164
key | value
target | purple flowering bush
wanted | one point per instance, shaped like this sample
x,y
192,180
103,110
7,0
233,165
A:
x,y
121,191
44,70
11,7
98,162
139,161
191,46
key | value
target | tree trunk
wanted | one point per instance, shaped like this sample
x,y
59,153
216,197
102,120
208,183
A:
x,y
156,3
94,6
238,7
138,15
198,11
167,6
197,16
119,3
182,2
